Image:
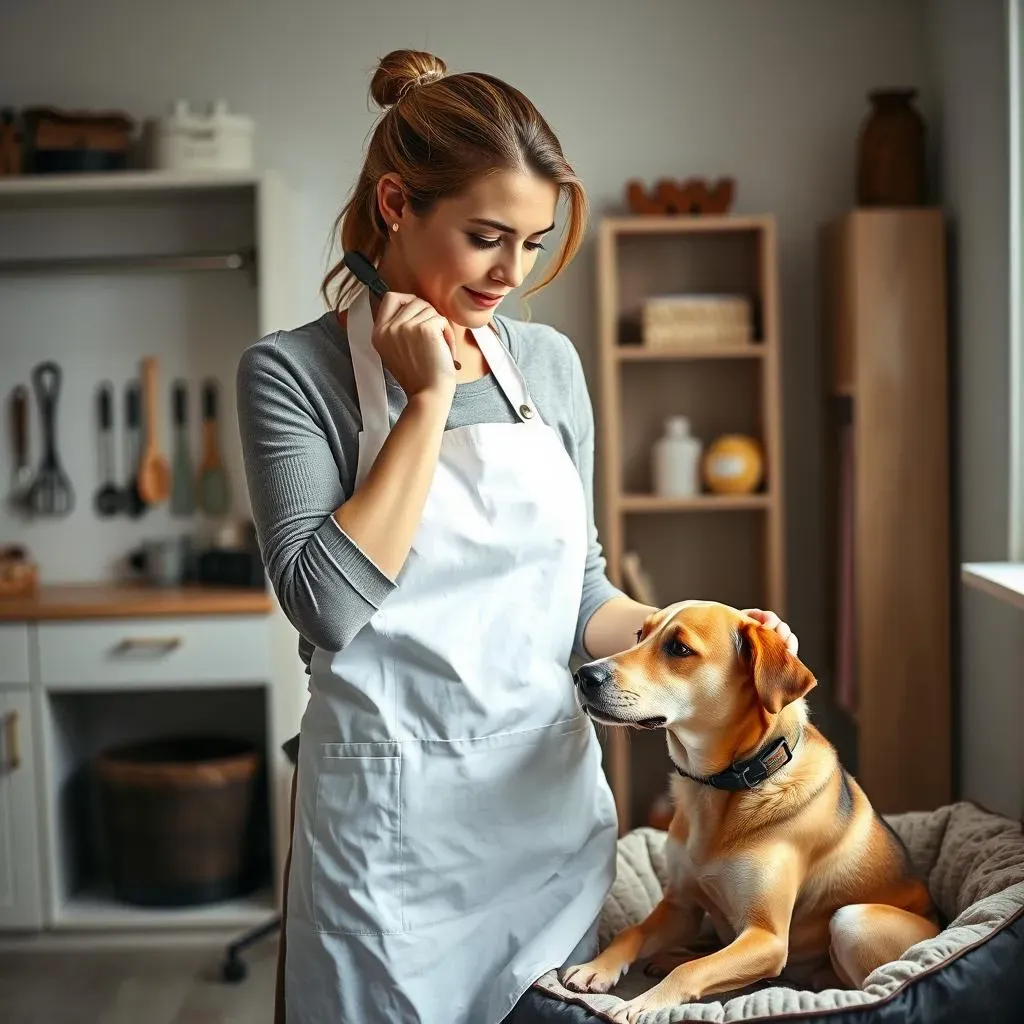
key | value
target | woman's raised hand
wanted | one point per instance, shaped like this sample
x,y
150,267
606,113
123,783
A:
x,y
416,344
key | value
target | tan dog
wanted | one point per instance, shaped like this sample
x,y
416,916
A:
x,y
771,838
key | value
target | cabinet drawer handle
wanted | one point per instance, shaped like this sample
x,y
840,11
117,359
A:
x,y
147,646
10,749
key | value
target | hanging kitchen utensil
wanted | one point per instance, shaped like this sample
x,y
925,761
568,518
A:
x,y
183,480
154,472
51,493
21,473
109,496
131,500
214,492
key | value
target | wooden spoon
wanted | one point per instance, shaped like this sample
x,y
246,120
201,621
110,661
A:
x,y
154,470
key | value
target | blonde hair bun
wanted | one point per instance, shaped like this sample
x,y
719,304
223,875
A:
x,y
402,70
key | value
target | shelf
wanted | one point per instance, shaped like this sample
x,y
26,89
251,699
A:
x,y
31,190
654,224
702,503
1001,580
120,601
639,354
107,264
99,910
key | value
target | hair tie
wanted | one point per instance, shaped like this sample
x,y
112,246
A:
x,y
424,78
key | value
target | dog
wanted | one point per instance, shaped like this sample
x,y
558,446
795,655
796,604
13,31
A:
x,y
771,838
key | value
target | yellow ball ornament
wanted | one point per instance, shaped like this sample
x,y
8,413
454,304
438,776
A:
x,y
733,464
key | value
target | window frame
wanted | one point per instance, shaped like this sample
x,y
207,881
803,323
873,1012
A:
x,y
1015,67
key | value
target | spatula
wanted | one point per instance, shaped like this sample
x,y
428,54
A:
x,y
214,492
183,487
131,501
108,495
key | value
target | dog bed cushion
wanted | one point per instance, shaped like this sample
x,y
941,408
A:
x,y
973,862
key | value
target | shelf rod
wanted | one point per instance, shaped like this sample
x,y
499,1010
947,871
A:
x,y
101,264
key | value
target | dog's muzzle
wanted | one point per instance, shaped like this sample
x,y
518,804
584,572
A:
x,y
591,678
605,703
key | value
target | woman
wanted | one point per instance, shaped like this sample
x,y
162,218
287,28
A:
x,y
421,474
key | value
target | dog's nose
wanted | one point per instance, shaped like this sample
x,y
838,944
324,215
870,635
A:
x,y
590,678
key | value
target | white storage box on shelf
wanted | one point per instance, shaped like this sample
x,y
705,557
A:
x,y
186,140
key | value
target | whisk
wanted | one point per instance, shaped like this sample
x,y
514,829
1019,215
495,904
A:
x,y
50,493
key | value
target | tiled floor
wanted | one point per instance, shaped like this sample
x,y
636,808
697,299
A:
x,y
173,986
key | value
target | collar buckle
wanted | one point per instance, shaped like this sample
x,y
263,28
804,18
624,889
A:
x,y
754,771
751,772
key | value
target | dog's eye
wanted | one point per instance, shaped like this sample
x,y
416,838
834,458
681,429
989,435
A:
x,y
677,649
639,634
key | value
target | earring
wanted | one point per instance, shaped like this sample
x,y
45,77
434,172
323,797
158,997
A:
x,y
394,227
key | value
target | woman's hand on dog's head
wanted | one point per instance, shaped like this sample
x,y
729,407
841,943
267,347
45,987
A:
x,y
772,621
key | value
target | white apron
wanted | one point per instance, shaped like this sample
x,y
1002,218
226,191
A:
x,y
455,834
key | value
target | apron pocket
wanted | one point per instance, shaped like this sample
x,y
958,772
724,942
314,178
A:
x,y
516,819
357,842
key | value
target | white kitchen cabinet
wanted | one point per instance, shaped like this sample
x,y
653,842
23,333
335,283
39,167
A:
x,y
182,651
98,271
88,667
21,900
14,664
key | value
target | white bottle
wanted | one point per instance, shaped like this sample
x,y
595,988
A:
x,y
676,460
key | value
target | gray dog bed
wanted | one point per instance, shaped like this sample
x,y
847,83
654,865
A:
x,y
973,862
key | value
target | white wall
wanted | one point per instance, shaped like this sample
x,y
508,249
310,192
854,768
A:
x,y
771,91
969,42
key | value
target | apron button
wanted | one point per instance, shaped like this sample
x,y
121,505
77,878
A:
x,y
526,412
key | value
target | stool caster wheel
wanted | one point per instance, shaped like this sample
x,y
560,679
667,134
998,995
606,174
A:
x,y
233,970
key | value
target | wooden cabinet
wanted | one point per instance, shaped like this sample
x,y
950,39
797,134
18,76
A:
x,y
889,485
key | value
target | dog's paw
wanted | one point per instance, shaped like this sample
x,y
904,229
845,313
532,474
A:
x,y
632,1012
636,1010
593,976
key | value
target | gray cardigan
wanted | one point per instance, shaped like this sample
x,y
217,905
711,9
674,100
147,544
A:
x,y
299,419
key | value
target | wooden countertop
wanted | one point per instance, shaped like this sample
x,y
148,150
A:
x,y
125,600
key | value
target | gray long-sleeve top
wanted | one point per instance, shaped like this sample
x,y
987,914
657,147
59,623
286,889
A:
x,y
299,418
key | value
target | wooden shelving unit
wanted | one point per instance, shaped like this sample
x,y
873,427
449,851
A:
x,y
727,548
885,276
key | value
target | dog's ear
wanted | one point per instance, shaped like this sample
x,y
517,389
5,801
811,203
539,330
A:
x,y
779,677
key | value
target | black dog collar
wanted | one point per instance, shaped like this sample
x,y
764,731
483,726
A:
x,y
751,771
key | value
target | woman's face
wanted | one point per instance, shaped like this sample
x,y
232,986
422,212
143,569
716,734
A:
x,y
471,250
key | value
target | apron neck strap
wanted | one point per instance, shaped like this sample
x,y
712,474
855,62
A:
x,y
507,374
371,388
